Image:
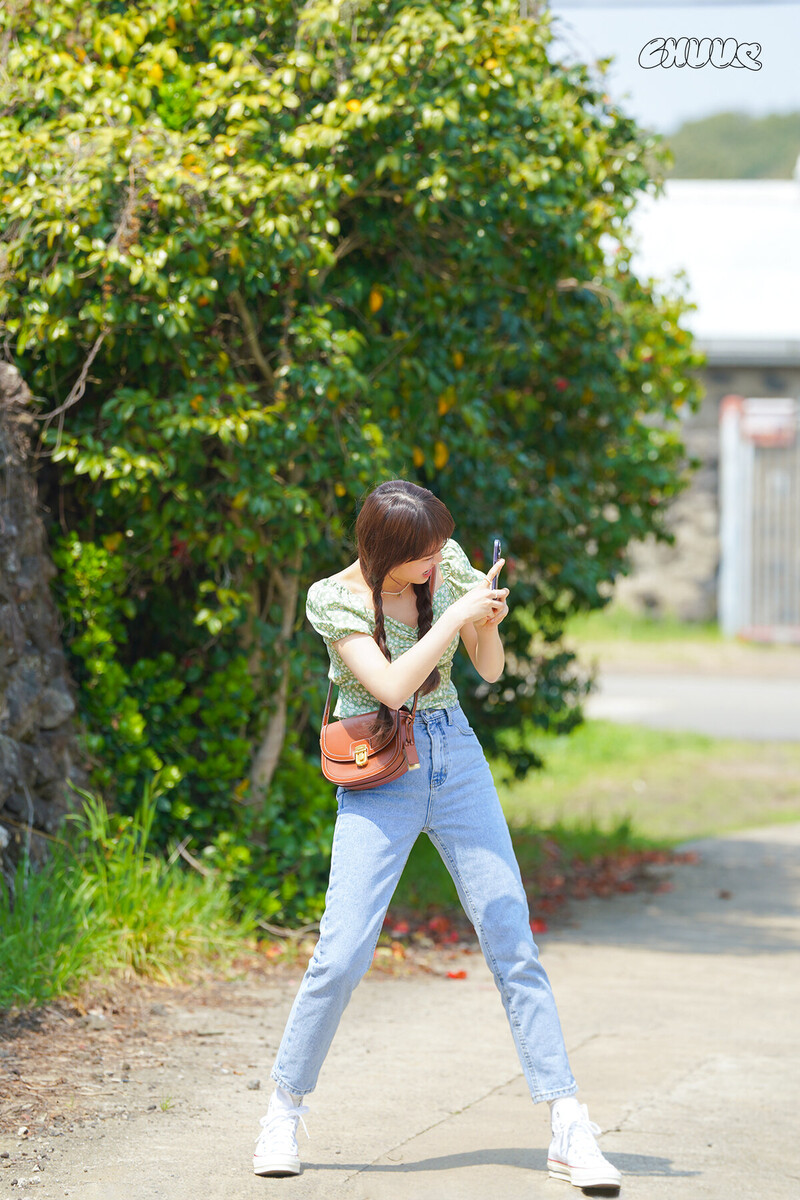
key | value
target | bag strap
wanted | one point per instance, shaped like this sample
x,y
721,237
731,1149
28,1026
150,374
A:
x,y
327,713
328,703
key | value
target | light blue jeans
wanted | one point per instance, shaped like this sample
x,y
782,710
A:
x,y
453,799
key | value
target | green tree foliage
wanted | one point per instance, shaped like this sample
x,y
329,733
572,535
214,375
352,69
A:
x,y
733,145
259,257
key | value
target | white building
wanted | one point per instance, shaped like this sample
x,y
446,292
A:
x,y
738,244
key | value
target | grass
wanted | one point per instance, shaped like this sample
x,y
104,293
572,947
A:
x,y
614,623
616,638
426,886
609,789
670,786
104,905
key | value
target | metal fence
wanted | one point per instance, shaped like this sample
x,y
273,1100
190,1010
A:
x,y
759,579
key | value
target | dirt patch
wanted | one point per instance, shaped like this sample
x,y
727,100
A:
x,y
66,1063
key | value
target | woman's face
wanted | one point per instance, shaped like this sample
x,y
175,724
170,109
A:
x,y
418,570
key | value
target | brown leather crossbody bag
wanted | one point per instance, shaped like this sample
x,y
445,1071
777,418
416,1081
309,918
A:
x,y
354,757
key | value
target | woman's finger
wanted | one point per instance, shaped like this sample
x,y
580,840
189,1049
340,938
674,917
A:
x,y
495,570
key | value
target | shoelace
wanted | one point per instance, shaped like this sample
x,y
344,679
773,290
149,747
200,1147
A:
x,y
282,1126
581,1133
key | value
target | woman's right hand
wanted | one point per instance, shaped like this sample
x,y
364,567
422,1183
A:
x,y
480,602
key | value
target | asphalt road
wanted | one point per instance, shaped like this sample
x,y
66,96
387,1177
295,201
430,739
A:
x,y
760,709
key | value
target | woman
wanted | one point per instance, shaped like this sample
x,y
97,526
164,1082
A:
x,y
392,622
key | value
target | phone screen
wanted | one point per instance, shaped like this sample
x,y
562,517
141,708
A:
x,y
496,553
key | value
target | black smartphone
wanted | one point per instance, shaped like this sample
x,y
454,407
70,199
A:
x,y
497,552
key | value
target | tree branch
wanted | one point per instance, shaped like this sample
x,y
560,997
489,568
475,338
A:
x,y
397,350
588,285
76,394
269,752
353,241
251,337
126,220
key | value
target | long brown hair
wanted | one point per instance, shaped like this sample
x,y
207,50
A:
x,y
399,522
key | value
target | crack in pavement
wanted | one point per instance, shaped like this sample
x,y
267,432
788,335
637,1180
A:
x,y
465,1108
592,1037
434,1125
658,1098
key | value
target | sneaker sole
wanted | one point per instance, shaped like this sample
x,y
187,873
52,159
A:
x,y
276,1166
583,1177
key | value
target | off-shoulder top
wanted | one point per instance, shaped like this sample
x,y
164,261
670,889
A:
x,y
335,611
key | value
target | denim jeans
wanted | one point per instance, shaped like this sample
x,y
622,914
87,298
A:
x,y
453,799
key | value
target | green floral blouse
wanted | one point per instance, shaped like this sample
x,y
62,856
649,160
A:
x,y
335,611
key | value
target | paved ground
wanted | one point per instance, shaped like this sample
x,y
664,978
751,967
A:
x,y
738,706
680,1011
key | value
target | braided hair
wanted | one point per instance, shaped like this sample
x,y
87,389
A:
x,y
400,522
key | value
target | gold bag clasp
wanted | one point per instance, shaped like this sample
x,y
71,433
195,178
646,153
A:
x,y
361,754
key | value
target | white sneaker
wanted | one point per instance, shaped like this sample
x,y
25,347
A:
x,y
575,1156
276,1150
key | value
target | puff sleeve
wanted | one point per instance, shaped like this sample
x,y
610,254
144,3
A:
x,y
457,571
334,613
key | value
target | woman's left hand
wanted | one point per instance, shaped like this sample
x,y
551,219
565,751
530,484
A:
x,y
500,614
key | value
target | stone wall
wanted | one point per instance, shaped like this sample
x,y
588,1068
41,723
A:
x,y
681,580
37,699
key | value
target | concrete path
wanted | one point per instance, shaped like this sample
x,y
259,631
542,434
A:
x,y
680,1011
761,709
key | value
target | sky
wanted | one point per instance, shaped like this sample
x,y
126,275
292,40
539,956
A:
x,y
661,98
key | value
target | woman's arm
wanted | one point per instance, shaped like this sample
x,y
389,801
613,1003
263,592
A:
x,y
485,649
392,683
483,644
